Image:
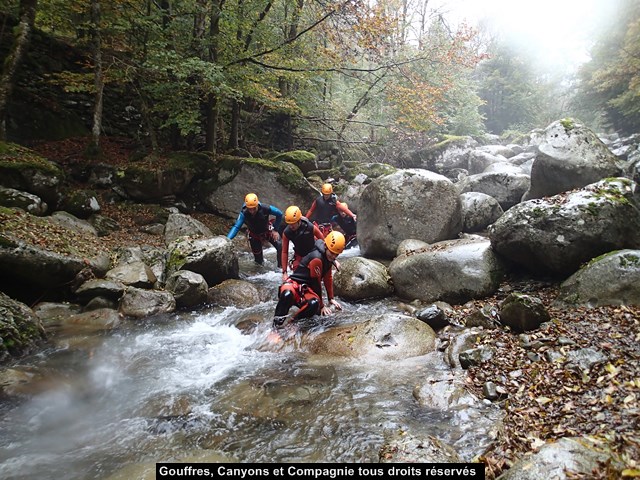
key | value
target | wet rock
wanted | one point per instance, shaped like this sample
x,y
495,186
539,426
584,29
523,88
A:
x,y
461,342
361,278
385,337
404,448
556,459
20,328
232,292
433,316
475,356
188,288
523,312
140,303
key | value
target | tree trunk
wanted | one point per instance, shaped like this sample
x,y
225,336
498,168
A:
x,y
211,127
235,125
12,62
98,77
211,131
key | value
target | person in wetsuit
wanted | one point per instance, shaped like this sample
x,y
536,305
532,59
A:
x,y
260,229
302,233
346,225
304,287
324,207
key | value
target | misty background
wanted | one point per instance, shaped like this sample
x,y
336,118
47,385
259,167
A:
x,y
550,59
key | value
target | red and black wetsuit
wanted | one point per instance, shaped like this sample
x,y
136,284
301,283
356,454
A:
x,y
322,210
304,287
303,239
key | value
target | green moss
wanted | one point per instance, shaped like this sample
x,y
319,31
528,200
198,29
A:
x,y
199,162
598,258
538,212
177,258
16,157
629,260
592,208
610,190
371,170
568,124
297,157
449,140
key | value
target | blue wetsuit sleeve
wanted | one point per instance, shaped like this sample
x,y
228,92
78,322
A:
x,y
236,228
278,214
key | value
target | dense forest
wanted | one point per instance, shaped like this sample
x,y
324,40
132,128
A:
x,y
259,75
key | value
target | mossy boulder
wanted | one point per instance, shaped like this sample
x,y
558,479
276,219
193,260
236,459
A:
x,y
610,279
154,177
20,328
305,161
451,152
371,170
276,183
25,170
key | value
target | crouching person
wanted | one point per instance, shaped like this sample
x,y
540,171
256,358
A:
x,y
303,288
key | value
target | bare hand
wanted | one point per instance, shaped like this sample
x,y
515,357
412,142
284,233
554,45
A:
x,y
335,304
325,311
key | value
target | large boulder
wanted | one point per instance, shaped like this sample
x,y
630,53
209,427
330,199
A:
x,y
20,328
453,271
152,178
384,337
236,293
611,279
49,266
555,459
570,156
305,161
10,197
180,225
450,154
141,303
555,235
23,169
276,183
410,203
189,288
479,210
360,278
506,187
214,258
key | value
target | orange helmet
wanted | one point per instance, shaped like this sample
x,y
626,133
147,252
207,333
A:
x,y
327,189
292,215
251,200
335,242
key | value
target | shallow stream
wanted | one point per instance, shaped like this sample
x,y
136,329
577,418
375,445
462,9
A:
x,y
193,386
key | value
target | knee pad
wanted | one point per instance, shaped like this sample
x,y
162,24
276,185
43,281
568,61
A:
x,y
286,294
311,308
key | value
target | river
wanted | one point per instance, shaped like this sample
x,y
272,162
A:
x,y
194,386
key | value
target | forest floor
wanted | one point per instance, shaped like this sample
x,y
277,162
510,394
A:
x,y
542,400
